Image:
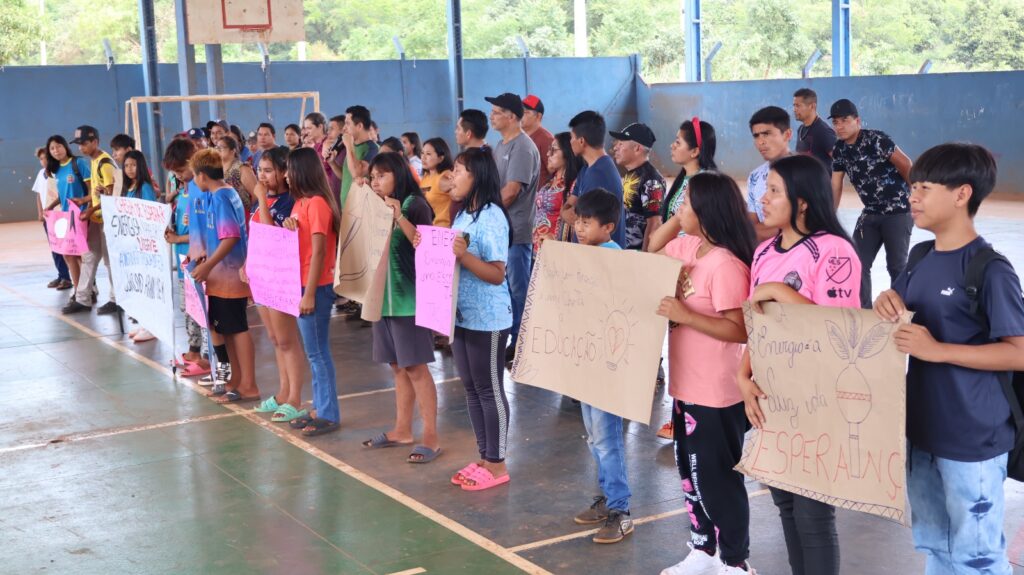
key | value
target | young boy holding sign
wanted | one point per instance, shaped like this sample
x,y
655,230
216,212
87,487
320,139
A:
x,y
218,258
964,334
597,214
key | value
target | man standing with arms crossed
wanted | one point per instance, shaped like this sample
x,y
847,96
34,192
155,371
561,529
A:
x,y
814,137
518,164
879,171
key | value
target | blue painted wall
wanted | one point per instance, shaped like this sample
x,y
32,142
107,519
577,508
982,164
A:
x,y
36,102
918,111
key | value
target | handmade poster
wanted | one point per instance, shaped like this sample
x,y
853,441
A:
x,y
195,305
361,270
835,407
437,279
139,257
273,267
67,233
590,328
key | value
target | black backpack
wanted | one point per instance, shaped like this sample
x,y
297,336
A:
x,y
1012,381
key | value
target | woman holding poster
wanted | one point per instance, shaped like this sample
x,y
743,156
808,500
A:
x,y
799,266
397,340
71,174
274,205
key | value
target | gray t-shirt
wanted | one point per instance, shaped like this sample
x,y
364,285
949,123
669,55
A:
x,y
519,161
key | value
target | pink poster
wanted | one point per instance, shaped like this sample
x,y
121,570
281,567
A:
x,y
437,279
68,234
194,306
273,268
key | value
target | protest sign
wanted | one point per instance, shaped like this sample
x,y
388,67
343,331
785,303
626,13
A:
x,y
140,261
437,279
362,265
590,328
67,233
195,305
273,267
835,407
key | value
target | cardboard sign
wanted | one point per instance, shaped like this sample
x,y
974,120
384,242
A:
x,y
67,233
195,305
139,258
273,267
835,408
590,328
437,279
361,270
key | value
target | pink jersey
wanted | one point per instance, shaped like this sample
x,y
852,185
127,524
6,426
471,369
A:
x,y
824,268
702,369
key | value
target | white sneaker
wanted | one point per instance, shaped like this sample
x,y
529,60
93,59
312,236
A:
x,y
219,376
143,335
696,563
727,570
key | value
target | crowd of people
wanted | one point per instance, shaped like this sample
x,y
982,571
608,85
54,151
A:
x,y
780,240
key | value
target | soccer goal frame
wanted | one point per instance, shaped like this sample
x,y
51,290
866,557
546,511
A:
x,y
131,106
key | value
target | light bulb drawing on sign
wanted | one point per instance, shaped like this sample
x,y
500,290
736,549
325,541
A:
x,y
853,393
617,327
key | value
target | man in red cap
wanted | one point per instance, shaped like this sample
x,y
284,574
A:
x,y
533,115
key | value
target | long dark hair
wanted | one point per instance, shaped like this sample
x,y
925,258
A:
x,y
52,165
807,179
396,164
142,175
722,212
441,149
705,158
414,139
278,158
486,188
306,178
573,163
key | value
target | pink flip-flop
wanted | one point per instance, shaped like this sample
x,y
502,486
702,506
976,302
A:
x,y
191,369
461,475
484,479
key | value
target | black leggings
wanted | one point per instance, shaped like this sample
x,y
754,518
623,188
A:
x,y
709,443
480,359
810,530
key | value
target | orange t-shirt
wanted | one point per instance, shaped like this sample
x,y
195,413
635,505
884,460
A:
x,y
314,216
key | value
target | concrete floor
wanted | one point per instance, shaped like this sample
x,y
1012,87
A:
x,y
111,465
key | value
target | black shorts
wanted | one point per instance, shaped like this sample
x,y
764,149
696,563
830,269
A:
x,y
227,315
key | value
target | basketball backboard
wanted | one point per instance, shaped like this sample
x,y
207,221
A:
x,y
245,21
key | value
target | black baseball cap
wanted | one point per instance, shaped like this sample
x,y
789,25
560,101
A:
x,y
84,134
511,102
843,108
532,102
197,134
635,132
212,123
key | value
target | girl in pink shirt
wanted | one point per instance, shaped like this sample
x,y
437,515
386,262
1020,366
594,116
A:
x,y
706,337
810,261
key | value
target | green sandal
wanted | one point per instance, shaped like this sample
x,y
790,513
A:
x,y
287,413
269,405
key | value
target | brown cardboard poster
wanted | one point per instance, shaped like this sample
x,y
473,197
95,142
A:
x,y
590,328
361,270
835,407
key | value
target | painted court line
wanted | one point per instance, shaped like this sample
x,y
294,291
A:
x,y
364,478
75,437
589,532
415,571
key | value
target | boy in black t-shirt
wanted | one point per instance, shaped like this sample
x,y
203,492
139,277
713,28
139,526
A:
x,y
959,428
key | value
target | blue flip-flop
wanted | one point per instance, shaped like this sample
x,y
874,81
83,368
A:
x,y
381,440
426,454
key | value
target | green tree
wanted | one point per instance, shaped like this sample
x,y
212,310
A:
x,y
991,36
21,31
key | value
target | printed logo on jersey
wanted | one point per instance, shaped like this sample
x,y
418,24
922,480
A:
x,y
839,269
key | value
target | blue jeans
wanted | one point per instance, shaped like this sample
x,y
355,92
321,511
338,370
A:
x,y
604,435
517,273
314,331
957,513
